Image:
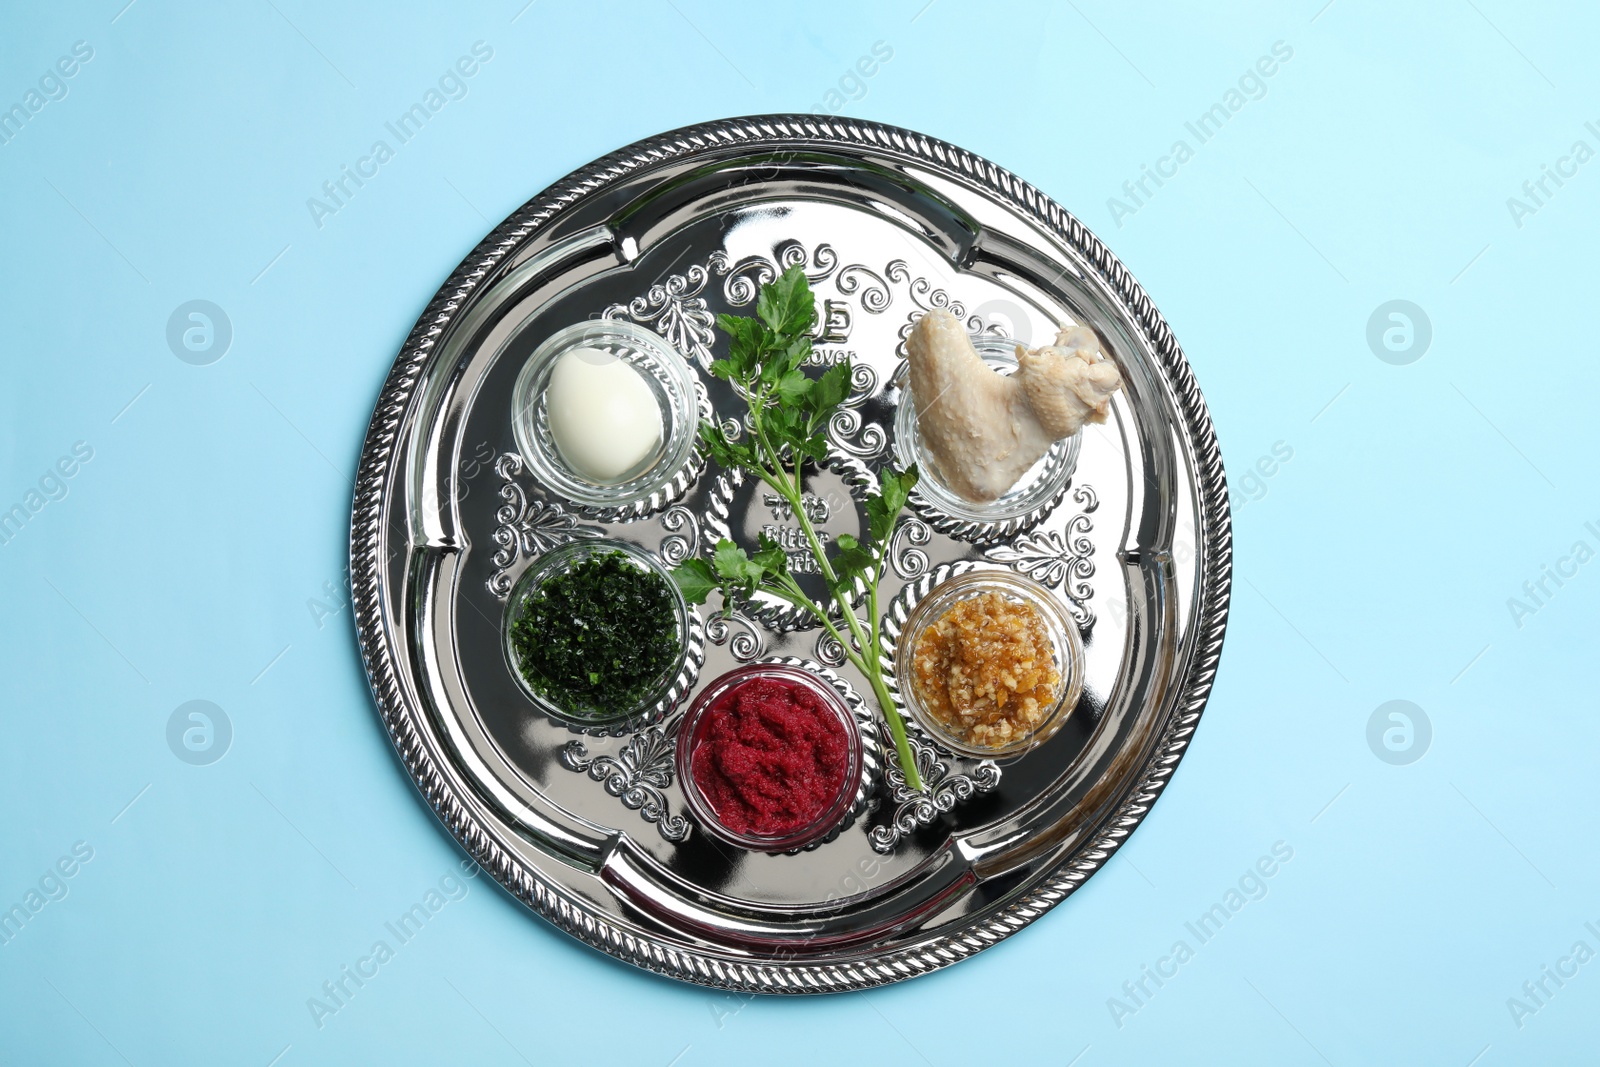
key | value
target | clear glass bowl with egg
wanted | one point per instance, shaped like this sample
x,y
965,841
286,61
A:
x,y
1059,630
1044,482
606,414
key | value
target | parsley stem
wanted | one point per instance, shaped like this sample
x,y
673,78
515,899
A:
x,y
871,662
765,357
870,666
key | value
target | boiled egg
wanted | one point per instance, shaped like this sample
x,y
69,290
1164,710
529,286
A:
x,y
604,417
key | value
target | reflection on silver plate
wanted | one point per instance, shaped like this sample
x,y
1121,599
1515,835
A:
x,y
594,834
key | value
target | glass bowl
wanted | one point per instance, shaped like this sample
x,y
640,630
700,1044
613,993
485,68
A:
x,y
1042,483
671,381
691,736
563,559
1059,629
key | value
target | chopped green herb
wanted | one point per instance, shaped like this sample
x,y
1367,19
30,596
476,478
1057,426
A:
x,y
597,638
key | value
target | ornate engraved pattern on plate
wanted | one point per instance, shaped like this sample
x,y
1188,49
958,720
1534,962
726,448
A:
x,y
942,790
905,553
745,642
637,775
847,431
1062,559
528,526
683,535
830,652
675,309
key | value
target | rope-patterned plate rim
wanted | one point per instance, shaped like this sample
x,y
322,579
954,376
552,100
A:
x,y
565,910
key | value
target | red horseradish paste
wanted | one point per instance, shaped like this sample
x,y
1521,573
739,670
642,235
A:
x,y
771,758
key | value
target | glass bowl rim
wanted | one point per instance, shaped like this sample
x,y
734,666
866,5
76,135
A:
x,y
680,418
571,553
700,807
1057,621
990,349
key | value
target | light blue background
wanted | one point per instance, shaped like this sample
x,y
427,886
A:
x,y
1374,565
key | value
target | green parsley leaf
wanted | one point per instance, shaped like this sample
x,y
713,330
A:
x,y
793,387
829,391
772,369
734,566
695,580
771,557
813,447
905,481
728,454
797,351
784,425
786,305
852,561
748,339
882,507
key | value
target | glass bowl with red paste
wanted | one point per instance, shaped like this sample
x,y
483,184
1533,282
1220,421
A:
x,y
769,758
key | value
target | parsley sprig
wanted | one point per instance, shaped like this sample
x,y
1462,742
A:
x,y
788,416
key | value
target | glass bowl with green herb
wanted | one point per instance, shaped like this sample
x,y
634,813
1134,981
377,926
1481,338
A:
x,y
597,633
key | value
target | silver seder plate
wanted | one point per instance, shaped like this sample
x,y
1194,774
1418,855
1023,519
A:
x,y
590,829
